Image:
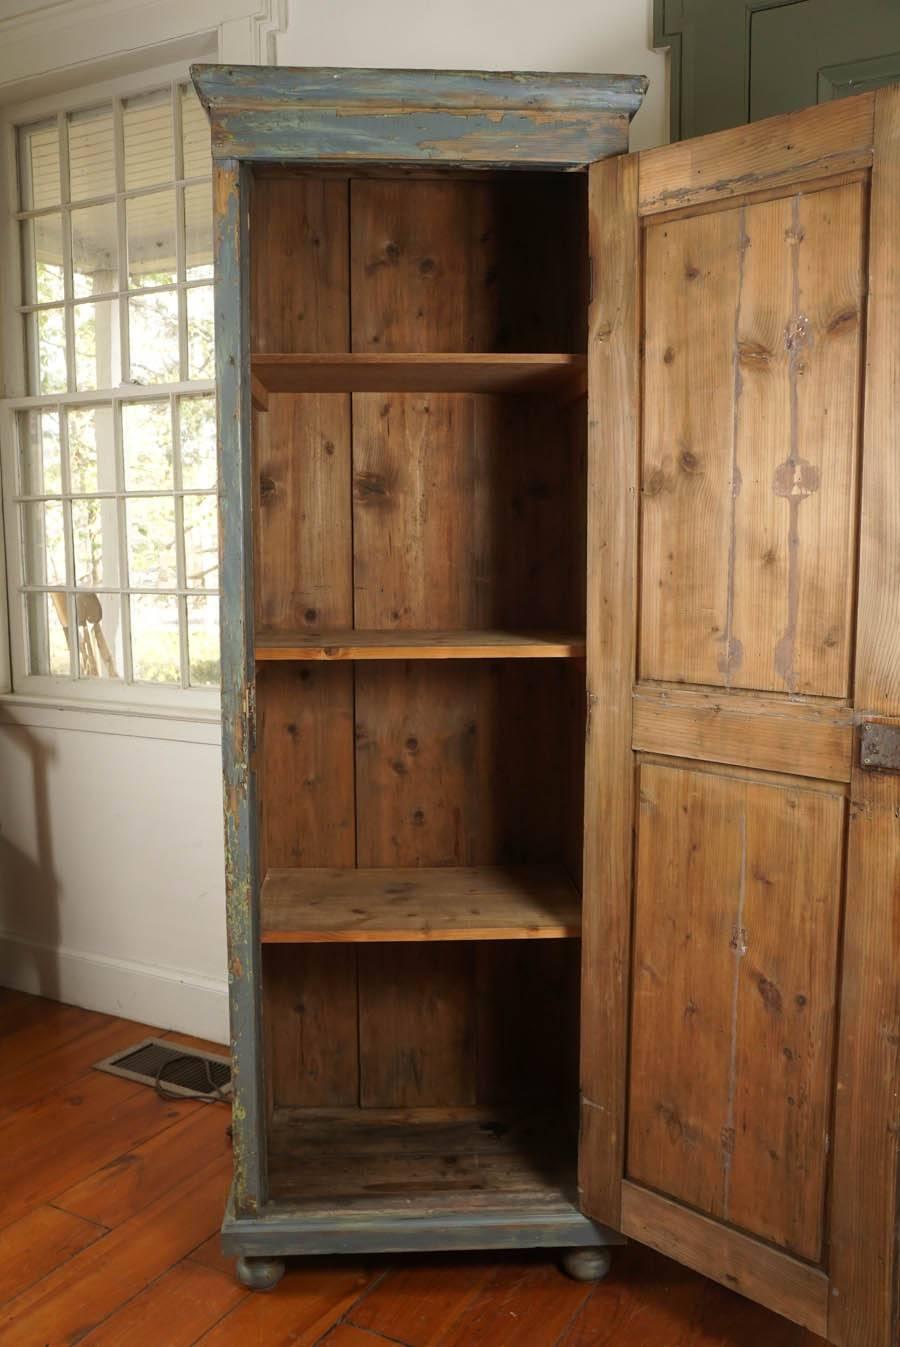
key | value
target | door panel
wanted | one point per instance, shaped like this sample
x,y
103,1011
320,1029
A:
x,y
741,924
731,1056
752,351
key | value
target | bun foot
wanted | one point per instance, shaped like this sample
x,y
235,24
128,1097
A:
x,y
259,1274
587,1264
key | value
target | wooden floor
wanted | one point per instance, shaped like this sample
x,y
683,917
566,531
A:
x,y
110,1200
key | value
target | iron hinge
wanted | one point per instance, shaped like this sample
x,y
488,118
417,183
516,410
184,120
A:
x,y
879,747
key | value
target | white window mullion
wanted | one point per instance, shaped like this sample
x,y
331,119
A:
x,y
104,216
180,549
122,242
66,230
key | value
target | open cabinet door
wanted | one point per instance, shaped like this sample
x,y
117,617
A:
x,y
741,1012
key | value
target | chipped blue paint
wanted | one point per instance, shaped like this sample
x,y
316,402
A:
x,y
281,87
280,1232
230,187
467,139
453,118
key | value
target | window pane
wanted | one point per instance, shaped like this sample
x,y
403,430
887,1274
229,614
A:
x,y
153,337
148,139
39,166
48,374
94,534
150,225
90,441
99,635
44,543
194,135
95,251
198,441
147,443
39,453
198,236
151,542
92,164
201,344
203,640
96,345
201,542
155,647
48,645
42,260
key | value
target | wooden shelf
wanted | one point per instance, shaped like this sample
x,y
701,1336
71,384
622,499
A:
x,y
428,372
357,645
451,903
384,1157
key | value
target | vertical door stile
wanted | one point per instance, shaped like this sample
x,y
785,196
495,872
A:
x,y
864,1306
613,430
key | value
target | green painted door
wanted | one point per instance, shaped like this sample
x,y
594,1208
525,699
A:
x,y
736,61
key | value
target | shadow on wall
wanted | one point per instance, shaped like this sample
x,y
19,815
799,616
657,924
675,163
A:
x,y
29,888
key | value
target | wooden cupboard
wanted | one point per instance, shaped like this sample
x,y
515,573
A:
x,y
560,503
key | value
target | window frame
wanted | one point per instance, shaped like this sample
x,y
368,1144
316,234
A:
x,y
72,688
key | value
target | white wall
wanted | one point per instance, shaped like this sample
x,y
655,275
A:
x,y
600,36
111,865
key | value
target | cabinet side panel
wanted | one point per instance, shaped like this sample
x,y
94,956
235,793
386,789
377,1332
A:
x,y
231,187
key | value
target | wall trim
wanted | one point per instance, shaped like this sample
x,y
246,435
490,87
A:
x,y
83,40
166,998
131,722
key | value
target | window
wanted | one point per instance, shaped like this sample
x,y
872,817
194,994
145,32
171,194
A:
x,y
110,454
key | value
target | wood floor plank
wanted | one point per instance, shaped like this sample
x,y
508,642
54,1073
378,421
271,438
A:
x,y
345,1335
526,1304
63,1308
99,1116
209,1254
52,1026
416,1303
133,1179
172,1312
648,1299
67,1061
298,1312
38,1243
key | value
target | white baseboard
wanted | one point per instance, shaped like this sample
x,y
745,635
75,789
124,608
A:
x,y
167,998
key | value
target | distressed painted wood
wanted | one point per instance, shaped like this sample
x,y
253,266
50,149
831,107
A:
x,y
865,1232
451,903
231,192
789,1287
467,118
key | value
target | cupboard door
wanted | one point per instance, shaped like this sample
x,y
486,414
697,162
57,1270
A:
x,y
741,988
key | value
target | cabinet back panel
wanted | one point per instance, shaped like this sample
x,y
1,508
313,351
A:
x,y
419,511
